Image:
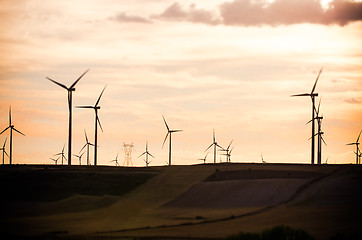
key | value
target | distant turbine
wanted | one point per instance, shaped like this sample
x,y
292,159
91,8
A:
x,y
55,160
169,132
204,159
79,158
70,90
312,95
61,154
87,144
227,150
357,145
146,153
116,160
4,151
262,159
214,143
97,121
11,127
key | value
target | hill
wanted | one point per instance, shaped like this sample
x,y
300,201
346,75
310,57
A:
x,y
199,201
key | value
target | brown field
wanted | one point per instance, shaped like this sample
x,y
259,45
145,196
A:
x,y
179,202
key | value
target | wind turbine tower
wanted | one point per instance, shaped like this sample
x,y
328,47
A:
x,y
4,151
312,95
169,133
128,154
214,143
70,90
146,153
357,146
97,122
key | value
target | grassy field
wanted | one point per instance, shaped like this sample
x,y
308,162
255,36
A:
x,y
201,201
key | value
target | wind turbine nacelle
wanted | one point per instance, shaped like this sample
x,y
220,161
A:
x,y
314,95
97,107
72,89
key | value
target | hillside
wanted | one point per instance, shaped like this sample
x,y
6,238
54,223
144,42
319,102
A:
x,y
197,201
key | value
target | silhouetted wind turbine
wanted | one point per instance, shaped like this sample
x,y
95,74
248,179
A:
x,y
79,158
70,90
214,143
357,146
61,154
227,152
4,151
146,153
262,159
319,133
87,144
116,160
204,159
55,160
312,95
11,127
96,107
169,132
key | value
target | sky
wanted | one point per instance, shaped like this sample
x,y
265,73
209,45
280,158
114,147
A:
x,y
228,65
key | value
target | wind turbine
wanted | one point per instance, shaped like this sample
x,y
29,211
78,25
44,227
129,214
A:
x,y
357,145
262,159
214,143
312,95
55,160
204,159
319,133
70,90
116,160
87,144
227,152
4,151
79,158
96,121
61,154
147,154
11,127
169,132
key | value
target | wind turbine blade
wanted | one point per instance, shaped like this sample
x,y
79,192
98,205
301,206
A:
x,y
315,84
213,135
300,95
351,144
141,154
319,105
359,136
5,143
99,122
206,154
10,116
151,155
83,147
209,147
6,153
5,129
78,79
219,146
99,98
19,132
168,129
86,138
62,85
230,144
84,107
324,141
165,139
176,130
81,154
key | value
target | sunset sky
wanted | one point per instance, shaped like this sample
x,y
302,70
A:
x,y
228,65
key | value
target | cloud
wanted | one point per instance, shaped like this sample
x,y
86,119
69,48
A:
x,y
176,12
352,100
125,17
261,12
